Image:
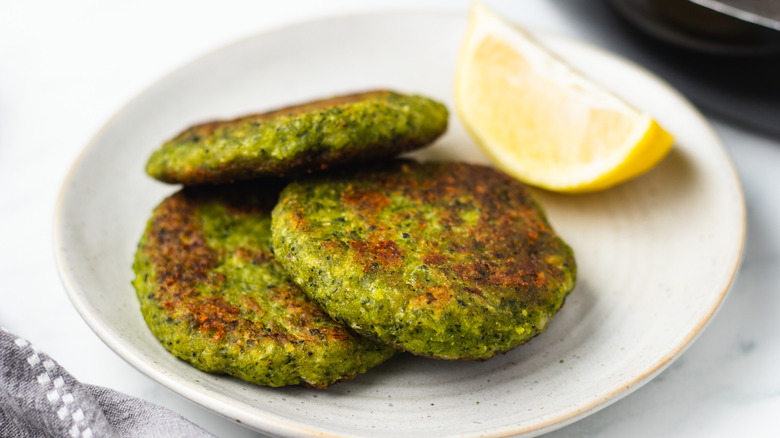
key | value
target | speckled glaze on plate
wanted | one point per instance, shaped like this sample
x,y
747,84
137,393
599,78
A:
x,y
656,255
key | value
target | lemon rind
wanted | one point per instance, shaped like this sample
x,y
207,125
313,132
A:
x,y
642,149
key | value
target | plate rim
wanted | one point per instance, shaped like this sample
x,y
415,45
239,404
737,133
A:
x,y
273,423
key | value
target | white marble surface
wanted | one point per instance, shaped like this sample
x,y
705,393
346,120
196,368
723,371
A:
x,y
65,67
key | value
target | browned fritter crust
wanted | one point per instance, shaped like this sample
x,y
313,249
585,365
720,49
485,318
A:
x,y
445,260
300,139
205,129
212,292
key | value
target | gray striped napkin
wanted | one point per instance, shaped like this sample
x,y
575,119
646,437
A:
x,y
38,398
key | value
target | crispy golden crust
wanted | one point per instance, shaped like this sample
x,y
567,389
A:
x,y
184,264
203,130
300,139
213,294
447,260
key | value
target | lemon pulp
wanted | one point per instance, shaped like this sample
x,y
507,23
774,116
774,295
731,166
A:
x,y
543,122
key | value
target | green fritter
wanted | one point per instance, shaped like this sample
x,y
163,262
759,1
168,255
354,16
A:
x,y
300,139
212,293
444,260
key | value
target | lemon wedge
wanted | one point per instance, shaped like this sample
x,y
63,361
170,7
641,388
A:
x,y
543,122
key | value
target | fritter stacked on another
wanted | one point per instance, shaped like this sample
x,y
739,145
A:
x,y
300,139
212,293
444,260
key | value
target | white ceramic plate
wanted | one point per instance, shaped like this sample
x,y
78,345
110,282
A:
x,y
656,255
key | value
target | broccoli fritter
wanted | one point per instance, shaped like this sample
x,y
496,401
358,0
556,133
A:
x,y
300,139
444,260
212,293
